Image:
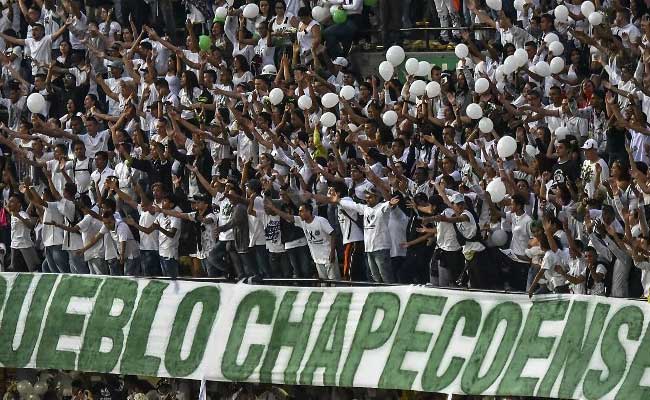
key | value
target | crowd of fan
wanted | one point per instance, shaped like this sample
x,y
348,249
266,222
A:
x,y
145,151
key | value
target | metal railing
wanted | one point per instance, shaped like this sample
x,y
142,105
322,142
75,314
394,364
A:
x,y
428,30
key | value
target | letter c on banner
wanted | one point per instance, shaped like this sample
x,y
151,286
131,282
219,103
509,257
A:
x,y
264,301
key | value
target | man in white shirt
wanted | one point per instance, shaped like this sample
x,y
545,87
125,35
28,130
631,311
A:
x,y
39,46
56,259
169,234
318,232
100,174
72,240
120,246
376,235
322,247
592,167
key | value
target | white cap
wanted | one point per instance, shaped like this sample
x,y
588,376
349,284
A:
x,y
340,61
590,144
457,198
269,69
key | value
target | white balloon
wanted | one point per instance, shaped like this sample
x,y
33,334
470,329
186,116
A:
x,y
557,65
461,50
501,86
531,150
418,88
319,13
424,68
480,67
40,388
304,102
395,55
496,189
521,56
499,73
433,89
542,69
509,65
474,111
386,70
329,100
519,5
595,18
251,11
328,119
551,37
347,92
411,66
556,48
561,132
587,8
485,125
506,146
494,4
481,85
499,237
36,103
276,96
561,13
221,12
389,118
33,396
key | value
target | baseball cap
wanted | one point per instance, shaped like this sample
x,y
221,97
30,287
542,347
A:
x,y
457,198
372,190
116,64
340,61
269,69
590,144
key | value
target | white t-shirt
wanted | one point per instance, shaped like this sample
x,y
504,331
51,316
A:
x,y
225,214
318,233
208,234
549,262
588,175
20,233
71,240
113,240
89,228
521,233
52,236
256,224
147,241
469,229
376,235
349,228
80,172
168,246
97,143
40,51
577,268
446,234
273,234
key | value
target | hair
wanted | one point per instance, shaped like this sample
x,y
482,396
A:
x,y
191,81
308,207
519,199
101,153
304,12
242,61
